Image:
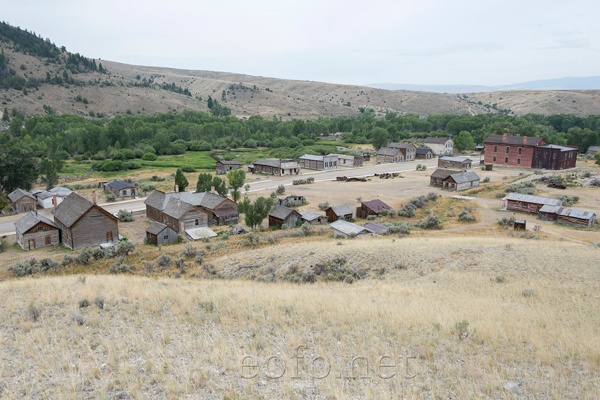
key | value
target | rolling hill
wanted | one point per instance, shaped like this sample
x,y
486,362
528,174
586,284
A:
x,y
64,83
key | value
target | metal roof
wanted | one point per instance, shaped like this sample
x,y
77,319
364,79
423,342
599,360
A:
x,y
387,151
281,212
527,198
310,215
58,191
559,147
443,173
514,140
580,214
546,208
289,165
120,185
400,145
347,228
30,220
199,233
376,228
311,157
456,159
462,177
268,162
225,162
341,210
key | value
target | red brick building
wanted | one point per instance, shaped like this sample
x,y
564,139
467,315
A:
x,y
511,150
553,156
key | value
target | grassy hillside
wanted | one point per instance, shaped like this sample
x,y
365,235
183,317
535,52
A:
x,y
499,318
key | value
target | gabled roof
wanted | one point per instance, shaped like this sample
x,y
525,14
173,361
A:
x,y
120,185
527,198
400,145
177,208
73,208
456,159
347,228
341,210
437,140
423,150
311,157
282,212
441,173
593,148
208,200
268,162
546,208
387,151
18,194
58,191
310,216
225,162
30,220
376,228
462,177
156,228
580,214
514,140
376,206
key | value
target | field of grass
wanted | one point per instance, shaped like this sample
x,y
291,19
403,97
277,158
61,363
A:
x,y
447,318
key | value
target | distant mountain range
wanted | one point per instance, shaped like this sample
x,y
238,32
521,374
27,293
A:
x,y
568,83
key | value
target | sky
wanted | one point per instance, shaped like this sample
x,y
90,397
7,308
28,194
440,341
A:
x,y
456,42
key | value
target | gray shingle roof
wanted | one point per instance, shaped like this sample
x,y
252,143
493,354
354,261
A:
x,y
441,173
71,209
120,185
387,151
159,200
268,162
30,220
437,140
156,228
177,208
400,145
310,216
423,150
281,212
522,140
533,199
347,228
463,177
59,191
456,159
341,210
18,194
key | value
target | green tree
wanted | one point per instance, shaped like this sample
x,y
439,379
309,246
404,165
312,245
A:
x,y
204,182
15,126
49,171
380,137
220,186
180,180
5,116
255,213
237,178
18,167
464,141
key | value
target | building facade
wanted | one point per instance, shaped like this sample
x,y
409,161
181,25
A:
x,y
440,145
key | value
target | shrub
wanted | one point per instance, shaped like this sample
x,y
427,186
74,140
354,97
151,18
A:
x,y
595,182
83,303
33,311
221,245
464,216
189,251
273,195
149,157
324,206
99,301
111,197
118,268
408,211
432,222
188,168
67,259
418,167
125,216
528,293
253,238
124,247
280,189
84,256
306,228
199,259
523,188
500,279
462,329
506,221
568,200
486,179
156,178
164,260
371,217
402,228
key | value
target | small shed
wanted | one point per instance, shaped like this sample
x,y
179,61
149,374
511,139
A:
x,y
345,229
22,201
438,176
424,153
520,225
121,189
339,212
377,229
454,162
224,166
461,181
313,218
372,207
284,215
549,212
35,231
159,234
572,217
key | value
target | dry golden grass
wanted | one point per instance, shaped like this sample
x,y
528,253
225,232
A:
x,y
167,338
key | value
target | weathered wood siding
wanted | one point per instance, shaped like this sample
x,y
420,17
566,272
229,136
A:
x,y
168,235
154,214
586,223
92,229
522,206
24,204
39,237
194,218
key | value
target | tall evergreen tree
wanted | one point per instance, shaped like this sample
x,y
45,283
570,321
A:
x,y
181,181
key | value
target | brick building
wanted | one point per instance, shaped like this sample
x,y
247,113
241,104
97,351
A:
x,y
511,150
553,156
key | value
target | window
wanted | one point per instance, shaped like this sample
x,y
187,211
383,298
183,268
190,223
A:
x,y
507,149
166,237
506,160
520,150
40,228
109,236
519,160
494,158
197,223
495,149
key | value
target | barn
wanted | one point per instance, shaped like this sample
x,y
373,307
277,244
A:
x,y
284,215
454,162
159,234
373,207
224,166
35,231
461,181
339,212
313,218
22,201
527,203
438,176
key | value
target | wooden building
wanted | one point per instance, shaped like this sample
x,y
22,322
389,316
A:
x,y
339,212
22,201
35,231
218,210
454,162
592,150
224,166
552,156
84,223
345,229
372,207
440,145
377,229
51,198
181,216
424,153
438,176
121,189
527,203
567,216
313,218
408,150
320,163
349,161
461,181
389,155
284,215
291,201
274,167
159,234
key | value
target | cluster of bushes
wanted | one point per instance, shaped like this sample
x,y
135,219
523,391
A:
x,y
421,167
523,188
252,239
32,266
553,179
303,181
335,269
464,216
408,211
504,221
115,165
402,228
569,200
431,222
125,216
156,178
595,182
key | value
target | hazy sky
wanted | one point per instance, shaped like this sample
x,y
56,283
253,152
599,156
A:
x,y
355,42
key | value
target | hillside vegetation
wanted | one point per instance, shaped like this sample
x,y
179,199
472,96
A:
x,y
499,318
39,77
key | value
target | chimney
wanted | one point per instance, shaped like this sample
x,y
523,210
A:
x,y
212,190
518,134
524,139
177,188
504,138
178,203
94,196
54,202
537,136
